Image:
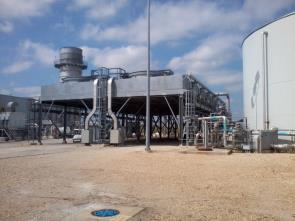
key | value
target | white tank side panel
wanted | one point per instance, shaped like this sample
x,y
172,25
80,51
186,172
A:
x,y
253,81
281,72
282,105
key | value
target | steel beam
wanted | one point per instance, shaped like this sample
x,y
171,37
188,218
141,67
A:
x,y
121,108
171,110
65,125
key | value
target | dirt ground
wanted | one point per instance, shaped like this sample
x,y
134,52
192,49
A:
x,y
53,181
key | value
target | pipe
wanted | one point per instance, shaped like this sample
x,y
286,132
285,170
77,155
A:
x,y
265,81
156,73
224,125
228,100
95,82
205,133
111,113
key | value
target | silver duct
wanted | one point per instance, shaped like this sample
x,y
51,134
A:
x,y
92,112
111,113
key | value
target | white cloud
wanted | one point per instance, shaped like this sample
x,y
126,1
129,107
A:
x,y
17,67
6,27
230,81
223,78
210,61
12,10
264,9
33,91
210,55
98,9
130,58
39,52
18,9
31,53
65,26
4,91
237,87
172,20
29,91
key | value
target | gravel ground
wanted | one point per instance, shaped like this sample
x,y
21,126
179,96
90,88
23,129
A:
x,y
53,181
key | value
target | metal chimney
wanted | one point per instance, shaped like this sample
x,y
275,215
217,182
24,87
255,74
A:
x,y
70,63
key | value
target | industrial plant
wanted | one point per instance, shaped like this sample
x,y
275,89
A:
x,y
152,144
108,106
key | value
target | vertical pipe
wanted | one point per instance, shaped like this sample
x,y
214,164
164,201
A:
x,y
265,81
228,105
148,132
224,131
205,133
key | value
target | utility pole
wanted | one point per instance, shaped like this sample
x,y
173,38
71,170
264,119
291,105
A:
x,y
148,103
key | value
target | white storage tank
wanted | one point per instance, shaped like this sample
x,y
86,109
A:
x,y
269,75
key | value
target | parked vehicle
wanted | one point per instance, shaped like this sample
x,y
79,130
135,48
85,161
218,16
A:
x,y
77,136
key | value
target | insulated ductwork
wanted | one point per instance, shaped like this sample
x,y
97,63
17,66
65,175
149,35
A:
x,y
227,100
111,113
117,135
92,112
86,138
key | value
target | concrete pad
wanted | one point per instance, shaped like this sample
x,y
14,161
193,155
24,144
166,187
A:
x,y
84,213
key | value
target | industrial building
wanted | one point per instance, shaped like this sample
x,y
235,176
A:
x,y
108,105
111,102
15,114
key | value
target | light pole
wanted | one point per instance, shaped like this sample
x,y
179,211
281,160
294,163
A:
x,y
148,104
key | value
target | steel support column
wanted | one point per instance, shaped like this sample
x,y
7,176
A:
x,y
180,135
40,124
168,126
148,105
65,125
160,132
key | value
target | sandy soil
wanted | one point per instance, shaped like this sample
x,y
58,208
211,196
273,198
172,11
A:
x,y
51,181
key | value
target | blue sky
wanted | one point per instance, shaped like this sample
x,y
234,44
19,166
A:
x,y
201,37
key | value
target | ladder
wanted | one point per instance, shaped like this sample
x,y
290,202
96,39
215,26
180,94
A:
x,y
101,111
190,126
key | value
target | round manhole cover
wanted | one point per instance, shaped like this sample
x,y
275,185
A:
x,y
105,212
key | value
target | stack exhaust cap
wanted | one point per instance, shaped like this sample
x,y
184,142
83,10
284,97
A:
x,y
70,63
